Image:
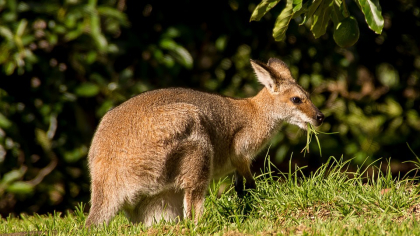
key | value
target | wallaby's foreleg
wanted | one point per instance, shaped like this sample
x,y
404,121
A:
x,y
243,171
194,203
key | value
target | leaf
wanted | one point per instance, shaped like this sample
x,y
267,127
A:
x,y
10,67
92,3
321,18
111,12
171,32
100,41
87,90
303,9
4,122
27,39
42,139
71,35
20,187
181,55
336,15
308,9
373,14
42,8
221,43
21,27
297,5
167,43
75,154
99,38
104,108
282,22
312,8
262,9
6,33
12,176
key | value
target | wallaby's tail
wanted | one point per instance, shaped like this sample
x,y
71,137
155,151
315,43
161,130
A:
x,y
104,205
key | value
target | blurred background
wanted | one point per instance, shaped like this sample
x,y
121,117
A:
x,y
64,64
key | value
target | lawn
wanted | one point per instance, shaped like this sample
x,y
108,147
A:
x,y
331,201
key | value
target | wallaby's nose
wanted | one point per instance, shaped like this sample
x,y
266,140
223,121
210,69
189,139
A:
x,y
319,118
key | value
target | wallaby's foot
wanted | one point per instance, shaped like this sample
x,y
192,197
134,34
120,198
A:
x,y
240,191
239,185
250,185
243,192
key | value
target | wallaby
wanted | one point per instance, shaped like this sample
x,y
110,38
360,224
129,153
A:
x,y
154,155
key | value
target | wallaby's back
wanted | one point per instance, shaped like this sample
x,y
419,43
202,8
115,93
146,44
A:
x,y
166,117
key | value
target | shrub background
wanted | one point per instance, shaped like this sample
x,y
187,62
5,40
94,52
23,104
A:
x,y
65,63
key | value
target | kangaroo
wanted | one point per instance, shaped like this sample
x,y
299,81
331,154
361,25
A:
x,y
154,155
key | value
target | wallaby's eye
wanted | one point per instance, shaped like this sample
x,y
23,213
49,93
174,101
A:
x,y
296,100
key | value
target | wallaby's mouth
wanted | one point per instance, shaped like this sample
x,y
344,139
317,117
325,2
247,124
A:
x,y
302,121
315,123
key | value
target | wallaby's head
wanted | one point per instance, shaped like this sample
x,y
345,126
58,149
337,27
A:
x,y
291,102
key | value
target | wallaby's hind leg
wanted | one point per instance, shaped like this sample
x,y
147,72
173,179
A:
x,y
103,206
165,206
196,180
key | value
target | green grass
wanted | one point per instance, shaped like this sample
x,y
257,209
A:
x,y
331,201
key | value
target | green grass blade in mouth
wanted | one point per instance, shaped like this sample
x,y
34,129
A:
x,y
309,132
312,131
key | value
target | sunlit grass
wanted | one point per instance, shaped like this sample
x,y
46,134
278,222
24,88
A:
x,y
331,201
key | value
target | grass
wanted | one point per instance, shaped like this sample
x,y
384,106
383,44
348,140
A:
x,y
331,201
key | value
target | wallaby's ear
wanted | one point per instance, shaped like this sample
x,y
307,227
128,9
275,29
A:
x,y
265,75
281,68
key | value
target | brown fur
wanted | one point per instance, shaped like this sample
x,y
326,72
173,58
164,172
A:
x,y
154,155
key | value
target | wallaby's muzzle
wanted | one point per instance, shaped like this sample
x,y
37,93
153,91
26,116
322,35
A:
x,y
319,118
